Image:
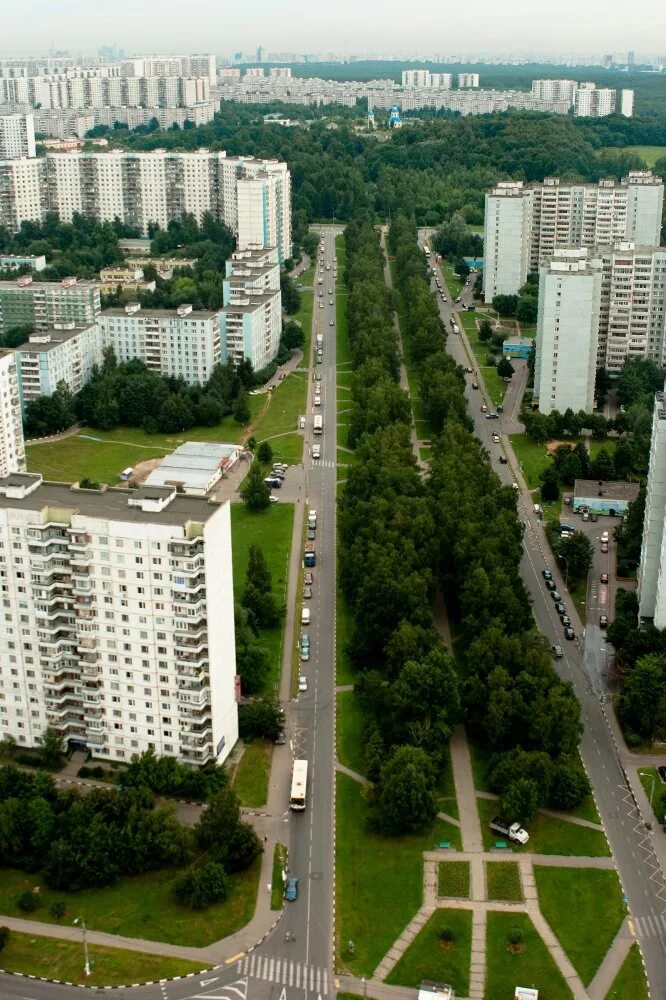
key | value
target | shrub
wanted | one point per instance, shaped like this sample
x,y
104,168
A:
x,y
4,936
446,934
57,909
28,901
202,886
516,936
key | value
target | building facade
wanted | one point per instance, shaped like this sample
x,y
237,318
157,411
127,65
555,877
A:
x,y
43,305
468,80
63,354
251,319
63,92
181,343
17,136
118,622
12,449
567,332
652,567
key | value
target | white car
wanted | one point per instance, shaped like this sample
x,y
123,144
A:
x,y
302,683
317,401
274,499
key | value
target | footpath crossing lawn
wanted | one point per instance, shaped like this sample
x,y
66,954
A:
x,y
527,962
630,980
430,957
585,910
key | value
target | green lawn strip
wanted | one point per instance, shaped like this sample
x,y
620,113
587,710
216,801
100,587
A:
x,y
585,910
342,349
345,672
426,454
250,779
139,907
480,766
429,957
340,252
346,457
287,404
532,458
51,958
379,880
503,881
271,530
652,787
448,806
630,981
280,865
547,835
454,283
453,878
585,810
495,386
648,153
532,965
349,732
304,314
287,448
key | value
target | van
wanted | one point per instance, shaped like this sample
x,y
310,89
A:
x,y
305,616
317,401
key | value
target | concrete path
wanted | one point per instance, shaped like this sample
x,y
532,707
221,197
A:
x,y
448,819
463,779
543,860
401,945
557,953
374,989
612,963
344,688
553,813
341,769
477,970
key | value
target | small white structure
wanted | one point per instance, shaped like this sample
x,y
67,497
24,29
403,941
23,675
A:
x,y
526,993
195,466
435,991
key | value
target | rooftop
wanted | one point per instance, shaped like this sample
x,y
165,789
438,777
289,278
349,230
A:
x,y
609,491
48,340
147,314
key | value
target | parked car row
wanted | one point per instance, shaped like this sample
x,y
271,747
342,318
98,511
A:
x,y
560,607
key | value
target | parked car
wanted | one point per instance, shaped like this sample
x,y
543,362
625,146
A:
x,y
603,621
550,583
661,771
291,889
604,577
311,534
308,578
567,498
560,608
469,369
302,683
546,574
492,416
604,546
305,654
307,593
558,652
331,323
555,594
594,516
496,438
318,377
566,621
475,385
569,633
281,738
503,460
484,408
274,499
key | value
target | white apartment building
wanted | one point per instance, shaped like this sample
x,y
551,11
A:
x,y
77,93
280,72
627,103
63,354
567,327
182,343
554,90
194,66
12,450
17,136
423,78
468,80
251,319
591,101
652,567
558,215
118,624
43,305
252,197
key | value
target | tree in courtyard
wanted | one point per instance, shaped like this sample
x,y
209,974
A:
x,y
255,492
461,268
406,802
570,784
575,554
504,368
603,467
550,485
292,335
50,748
485,330
520,800
265,453
258,594
202,886
241,411
643,705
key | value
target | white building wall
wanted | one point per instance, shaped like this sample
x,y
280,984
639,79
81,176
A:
x,y
17,136
651,578
12,450
506,239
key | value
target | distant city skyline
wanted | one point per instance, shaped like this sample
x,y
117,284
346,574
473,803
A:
x,y
77,27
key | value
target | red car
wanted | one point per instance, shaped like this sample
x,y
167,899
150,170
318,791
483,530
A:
x,y
604,577
604,546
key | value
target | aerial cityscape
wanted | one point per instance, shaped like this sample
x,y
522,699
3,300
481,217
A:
x,y
332,503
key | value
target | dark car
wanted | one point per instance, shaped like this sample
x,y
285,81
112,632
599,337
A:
x,y
566,527
550,583
546,574
661,771
281,738
492,416
603,621
560,608
503,460
312,534
475,385
569,633
566,621
555,594
291,889
500,408
593,516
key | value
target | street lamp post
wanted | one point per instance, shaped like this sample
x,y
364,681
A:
x,y
86,967
645,774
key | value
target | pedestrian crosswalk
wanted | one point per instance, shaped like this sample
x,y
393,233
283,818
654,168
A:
x,y
650,926
285,972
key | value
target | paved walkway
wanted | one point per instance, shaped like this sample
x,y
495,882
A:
x,y
341,769
461,763
612,963
575,820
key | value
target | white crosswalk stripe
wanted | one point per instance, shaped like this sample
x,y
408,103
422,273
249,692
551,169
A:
x,y
648,926
285,972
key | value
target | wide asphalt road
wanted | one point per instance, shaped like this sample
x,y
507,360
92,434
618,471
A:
x,y
640,874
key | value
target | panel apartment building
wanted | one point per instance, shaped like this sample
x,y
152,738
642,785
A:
x,y
17,136
62,91
43,305
598,306
251,319
63,354
12,450
252,197
524,225
652,567
118,626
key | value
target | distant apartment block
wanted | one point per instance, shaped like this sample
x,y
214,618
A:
x,y
17,136
586,99
251,319
425,79
519,239
43,305
652,567
12,450
468,80
181,343
62,354
118,625
92,91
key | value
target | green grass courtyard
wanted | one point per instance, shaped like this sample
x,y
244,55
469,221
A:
x,y
429,956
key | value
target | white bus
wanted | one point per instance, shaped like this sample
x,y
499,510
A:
x,y
299,785
318,424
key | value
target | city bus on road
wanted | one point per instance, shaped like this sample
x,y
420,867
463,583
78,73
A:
x,y
299,785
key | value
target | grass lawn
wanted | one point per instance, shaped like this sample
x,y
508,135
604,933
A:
x,y
453,282
345,673
548,835
652,786
379,880
495,387
453,879
570,899
280,865
304,314
503,881
630,980
426,454
250,779
586,810
54,959
340,253
271,531
140,907
349,731
287,404
287,448
532,457
428,958
530,966
648,153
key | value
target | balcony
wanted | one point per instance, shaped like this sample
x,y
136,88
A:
x,y
195,697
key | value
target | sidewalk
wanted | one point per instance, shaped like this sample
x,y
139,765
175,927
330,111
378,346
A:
x,y
463,779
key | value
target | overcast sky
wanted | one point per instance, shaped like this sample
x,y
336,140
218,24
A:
x,y
31,27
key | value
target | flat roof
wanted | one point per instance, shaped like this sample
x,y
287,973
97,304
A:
x,y
193,463
159,313
110,504
56,338
608,491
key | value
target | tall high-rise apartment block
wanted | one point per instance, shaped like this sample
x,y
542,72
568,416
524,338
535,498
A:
x,y
118,624
652,567
554,90
64,354
251,319
252,197
591,101
43,305
423,78
468,80
519,240
93,91
17,136
12,450
586,99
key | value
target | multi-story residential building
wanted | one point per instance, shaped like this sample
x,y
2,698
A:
x,y
627,103
43,305
468,80
652,567
556,215
183,342
567,328
63,354
17,136
554,90
93,91
591,101
12,450
252,197
118,624
251,319
424,78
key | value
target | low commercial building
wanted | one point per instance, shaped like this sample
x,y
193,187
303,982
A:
x,y
195,467
13,261
64,353
43,305
12,449
165,266
518,348
125,278
604,498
